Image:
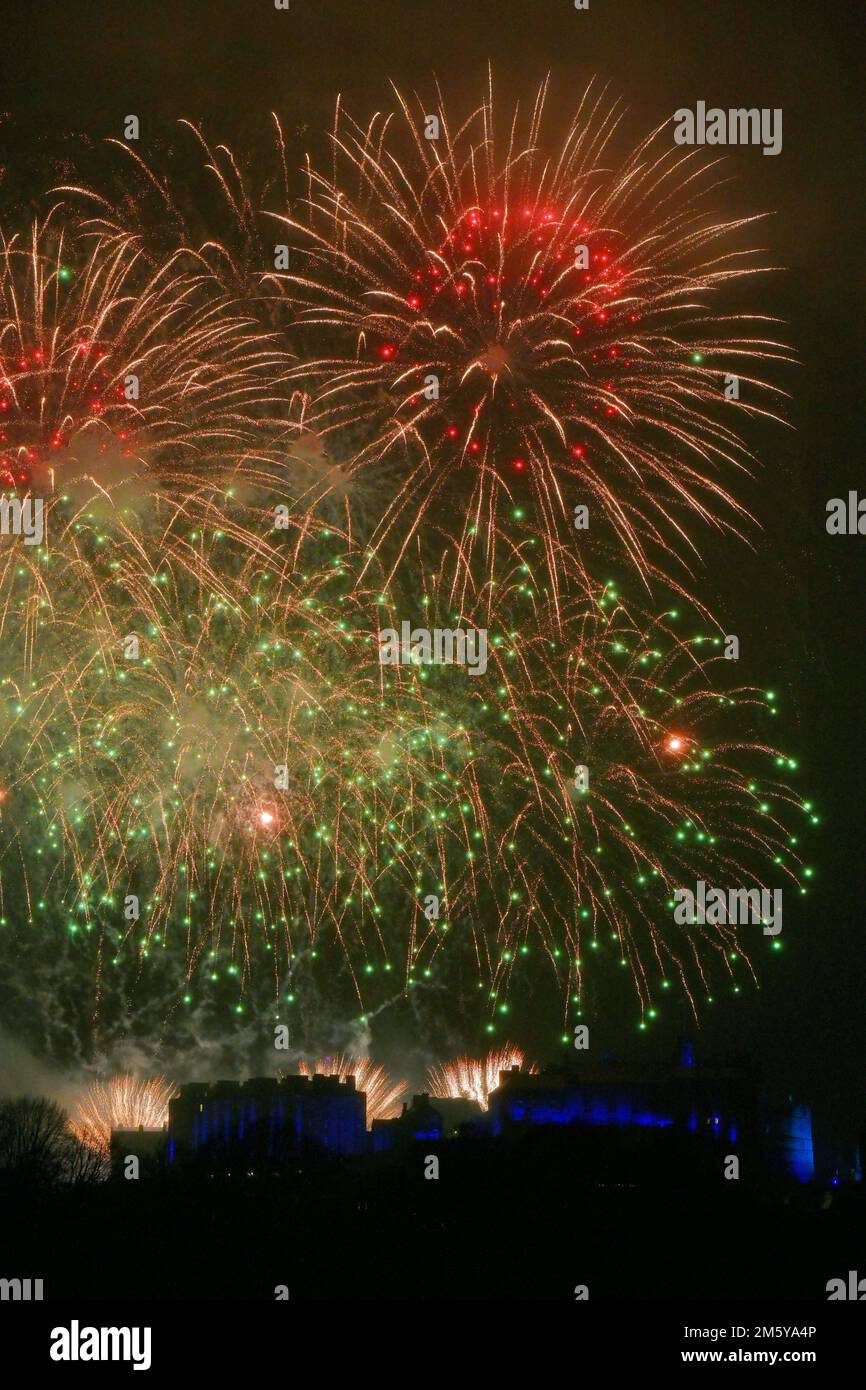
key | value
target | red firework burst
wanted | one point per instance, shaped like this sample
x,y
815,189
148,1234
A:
x,y
509,322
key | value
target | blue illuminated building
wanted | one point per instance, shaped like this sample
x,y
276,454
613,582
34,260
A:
x,y
423,1119
712,1109
268,1119
717,1104
709,1102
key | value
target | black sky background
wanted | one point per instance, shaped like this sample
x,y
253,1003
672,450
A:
x,y
797,601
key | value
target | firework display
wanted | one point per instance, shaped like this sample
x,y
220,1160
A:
x,y
430,706
251,471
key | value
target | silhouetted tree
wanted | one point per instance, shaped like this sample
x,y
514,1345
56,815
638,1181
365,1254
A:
x,y
37,1148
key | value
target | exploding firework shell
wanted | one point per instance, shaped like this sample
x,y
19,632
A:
x,y
517,328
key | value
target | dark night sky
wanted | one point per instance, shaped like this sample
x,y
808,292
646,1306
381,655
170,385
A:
x,y
796,601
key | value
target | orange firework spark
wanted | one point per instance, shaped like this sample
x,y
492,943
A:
x,y
383,1093
124,1102
473,1078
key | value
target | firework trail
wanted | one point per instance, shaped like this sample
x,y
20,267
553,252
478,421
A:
x,y
473,1078
124,1102
383,1093
192,706
516,322
205,201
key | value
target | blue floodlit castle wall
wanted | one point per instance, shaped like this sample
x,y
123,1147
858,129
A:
x,y
716,1103
274,1118
266,1119
720,1104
